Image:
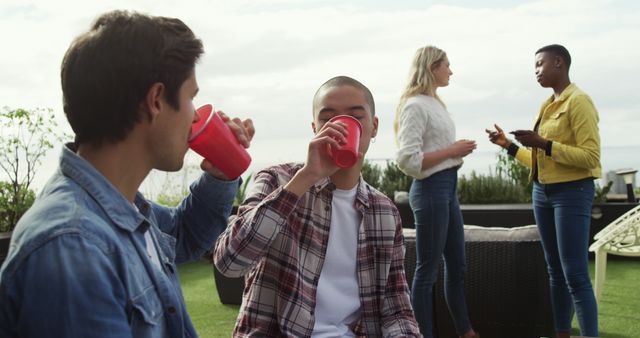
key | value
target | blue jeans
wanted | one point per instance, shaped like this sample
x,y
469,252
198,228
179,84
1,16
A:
x,y
439,232
562,212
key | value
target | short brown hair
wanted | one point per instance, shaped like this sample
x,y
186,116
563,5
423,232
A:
x,y
107,71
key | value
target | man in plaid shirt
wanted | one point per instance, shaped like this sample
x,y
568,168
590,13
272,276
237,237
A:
x,y
321,249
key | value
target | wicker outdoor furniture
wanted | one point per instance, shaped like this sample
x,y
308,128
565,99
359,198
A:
x,y
506,284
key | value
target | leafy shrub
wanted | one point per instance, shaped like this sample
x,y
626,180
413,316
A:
x,y
508,184
394,180
173,193
387,180
601,192
26,135
174,188
476,189
12,207
242,191
517,173
170,199
372,174
489,189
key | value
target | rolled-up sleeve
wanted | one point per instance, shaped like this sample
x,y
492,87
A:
x,y
411,128
260,218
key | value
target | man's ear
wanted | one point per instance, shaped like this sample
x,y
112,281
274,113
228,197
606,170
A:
x,y
313,126
154,101
374,132
558,62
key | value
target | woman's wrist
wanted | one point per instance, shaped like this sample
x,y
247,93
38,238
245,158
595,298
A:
x,y
507,145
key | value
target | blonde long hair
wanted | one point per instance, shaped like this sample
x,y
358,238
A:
x,y
421,79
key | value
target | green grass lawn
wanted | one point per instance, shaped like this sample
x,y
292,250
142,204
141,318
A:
x,y
619,312
210,317
619,307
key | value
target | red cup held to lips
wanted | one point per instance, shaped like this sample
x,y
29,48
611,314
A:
x,y
347,154
214,140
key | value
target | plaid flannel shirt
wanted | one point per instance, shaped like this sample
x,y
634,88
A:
x,y
279,242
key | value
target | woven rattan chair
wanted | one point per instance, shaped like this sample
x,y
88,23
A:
x,y
506,284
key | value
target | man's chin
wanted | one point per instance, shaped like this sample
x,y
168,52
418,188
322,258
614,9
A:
x,y
172,167
542,83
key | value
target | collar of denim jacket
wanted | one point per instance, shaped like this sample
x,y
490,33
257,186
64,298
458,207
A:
x,y
119,210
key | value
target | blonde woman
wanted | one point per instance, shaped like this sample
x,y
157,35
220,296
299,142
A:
x,y
428,151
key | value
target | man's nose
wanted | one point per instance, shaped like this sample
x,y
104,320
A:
x,y
196,116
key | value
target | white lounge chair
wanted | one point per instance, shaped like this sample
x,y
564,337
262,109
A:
x,y
621,237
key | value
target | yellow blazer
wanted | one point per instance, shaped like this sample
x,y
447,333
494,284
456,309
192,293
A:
x,y
571,122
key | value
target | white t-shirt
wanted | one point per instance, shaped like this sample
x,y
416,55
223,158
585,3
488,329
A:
x,y
152,252
337,295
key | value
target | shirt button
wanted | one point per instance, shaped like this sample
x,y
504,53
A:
x,y
326,208
171,309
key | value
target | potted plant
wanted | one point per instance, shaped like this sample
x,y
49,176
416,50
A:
x,y
230,288
25,137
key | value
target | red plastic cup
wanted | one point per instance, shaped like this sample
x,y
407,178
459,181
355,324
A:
x,y
347,155
214,140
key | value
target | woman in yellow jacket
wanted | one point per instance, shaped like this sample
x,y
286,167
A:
x,y
563,153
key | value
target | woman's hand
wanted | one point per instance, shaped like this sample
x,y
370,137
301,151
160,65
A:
x,y
529,138
498,137
462,148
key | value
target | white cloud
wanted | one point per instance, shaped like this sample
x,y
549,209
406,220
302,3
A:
x,y
264,59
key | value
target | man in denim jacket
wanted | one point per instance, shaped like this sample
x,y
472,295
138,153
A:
x,y
92,257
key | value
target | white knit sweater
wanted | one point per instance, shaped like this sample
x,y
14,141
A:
x,y
424,126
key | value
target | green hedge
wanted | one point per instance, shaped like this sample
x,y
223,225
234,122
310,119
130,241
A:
x,y
475,189
490,189
387,180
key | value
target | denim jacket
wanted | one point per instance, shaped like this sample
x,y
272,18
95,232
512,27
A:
x,y
78,264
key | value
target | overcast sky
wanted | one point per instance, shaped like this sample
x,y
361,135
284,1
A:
x,y
265,59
